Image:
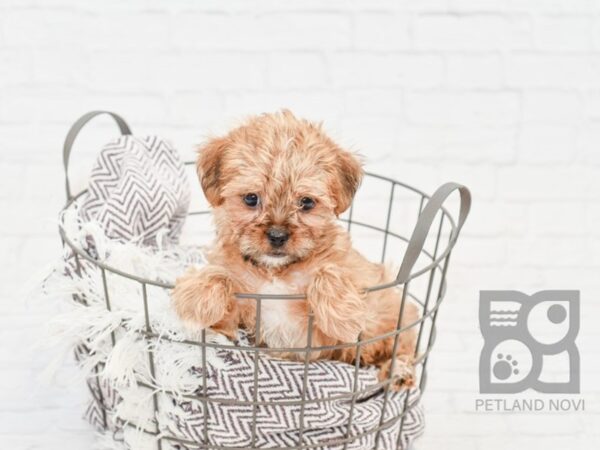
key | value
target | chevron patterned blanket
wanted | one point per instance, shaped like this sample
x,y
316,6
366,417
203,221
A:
x,y
280,383
229,425
133,201
138,190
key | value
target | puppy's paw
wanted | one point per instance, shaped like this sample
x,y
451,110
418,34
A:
x,y
338,306
203,297
403,373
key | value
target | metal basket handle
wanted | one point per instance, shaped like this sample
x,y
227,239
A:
x,y
74,131
421,231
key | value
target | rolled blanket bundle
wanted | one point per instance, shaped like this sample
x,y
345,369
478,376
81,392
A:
x,y
137,190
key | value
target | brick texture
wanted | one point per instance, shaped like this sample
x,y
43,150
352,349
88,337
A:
x,y
501,95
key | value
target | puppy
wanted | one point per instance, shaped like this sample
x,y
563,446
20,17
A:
x,y
277,185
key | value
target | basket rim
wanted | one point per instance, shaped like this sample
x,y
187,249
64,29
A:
x,y
435,262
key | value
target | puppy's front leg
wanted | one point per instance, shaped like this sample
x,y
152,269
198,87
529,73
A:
x,y
337,304
403,372
205,298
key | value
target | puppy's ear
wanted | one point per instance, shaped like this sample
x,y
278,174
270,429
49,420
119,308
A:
x,y
209,167
350,175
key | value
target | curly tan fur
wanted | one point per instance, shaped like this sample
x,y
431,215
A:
x,y
282,159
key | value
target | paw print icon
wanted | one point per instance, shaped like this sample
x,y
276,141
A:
x,y
529,342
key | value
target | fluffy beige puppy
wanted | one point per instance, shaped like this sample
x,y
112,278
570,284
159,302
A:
x,y
277,185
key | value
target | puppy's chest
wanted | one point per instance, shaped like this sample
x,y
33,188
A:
x,y
283,323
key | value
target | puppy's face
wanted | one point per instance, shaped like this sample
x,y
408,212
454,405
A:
x,y
277,184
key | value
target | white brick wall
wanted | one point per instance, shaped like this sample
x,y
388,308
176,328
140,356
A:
x,y
503,96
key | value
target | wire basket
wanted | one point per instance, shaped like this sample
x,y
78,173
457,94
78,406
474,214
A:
x,y
426,247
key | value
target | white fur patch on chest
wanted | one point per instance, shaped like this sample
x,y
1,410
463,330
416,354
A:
x,y
280,325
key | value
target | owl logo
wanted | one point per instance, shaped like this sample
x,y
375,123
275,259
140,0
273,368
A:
x,y
529,342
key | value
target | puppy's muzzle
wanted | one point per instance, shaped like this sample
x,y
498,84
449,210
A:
x,y
277,237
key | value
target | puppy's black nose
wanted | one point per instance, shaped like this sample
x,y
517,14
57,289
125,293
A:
x,y
277,236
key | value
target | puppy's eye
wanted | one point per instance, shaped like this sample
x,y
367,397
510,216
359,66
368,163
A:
x,y
251,200
307,203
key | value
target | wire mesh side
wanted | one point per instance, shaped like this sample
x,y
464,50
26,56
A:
x,y
393,362
305,377
205,411
257,334
107,302
354,390
151,366
425,334
385,422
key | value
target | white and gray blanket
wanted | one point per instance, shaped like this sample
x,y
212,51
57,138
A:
x,y
230,379
138,190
